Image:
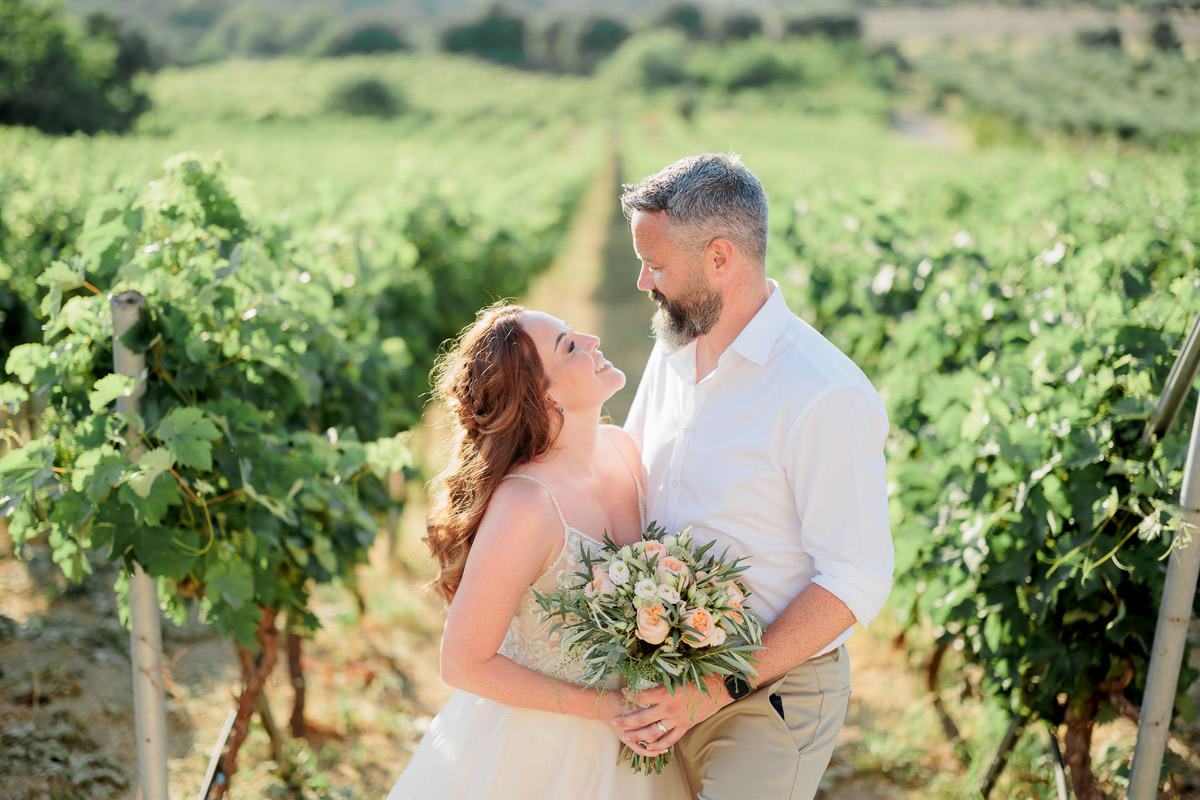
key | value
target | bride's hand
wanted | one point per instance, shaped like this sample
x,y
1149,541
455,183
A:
x,y
610,709
676,713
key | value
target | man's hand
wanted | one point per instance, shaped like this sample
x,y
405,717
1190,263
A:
x,y
643,727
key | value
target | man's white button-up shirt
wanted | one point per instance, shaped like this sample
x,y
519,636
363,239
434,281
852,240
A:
x,y
777,454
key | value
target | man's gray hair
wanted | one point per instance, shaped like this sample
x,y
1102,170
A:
x,y
711,194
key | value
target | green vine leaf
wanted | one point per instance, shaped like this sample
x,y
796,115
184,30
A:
x,y
173,551
112,386
229,580
149,467
98,471
189,435
31,363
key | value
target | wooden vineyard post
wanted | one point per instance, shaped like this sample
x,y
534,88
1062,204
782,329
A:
x,y
1015,725
145,629
1175,609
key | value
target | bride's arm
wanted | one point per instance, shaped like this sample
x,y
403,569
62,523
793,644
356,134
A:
x,y
519,536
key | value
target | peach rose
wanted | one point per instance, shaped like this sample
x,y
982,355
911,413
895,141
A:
x,y
651,627
702,621
733,593
673,571
600,584
652,548
736,614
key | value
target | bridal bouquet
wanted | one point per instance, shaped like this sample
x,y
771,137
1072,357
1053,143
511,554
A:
x,y
657,612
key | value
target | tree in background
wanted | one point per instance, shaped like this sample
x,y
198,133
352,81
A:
x,y
498,36
832,25
1109,36
684,16
366,97
576,44
197,13
599,37
738,26
133,50
62,77
1164,38
370,37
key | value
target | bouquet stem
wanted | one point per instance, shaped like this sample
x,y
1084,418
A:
x,y
637,761
644,764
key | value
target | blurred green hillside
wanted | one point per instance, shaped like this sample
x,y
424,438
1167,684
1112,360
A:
x,y
545,34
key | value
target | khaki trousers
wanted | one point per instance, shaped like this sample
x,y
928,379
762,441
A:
x,y
773,744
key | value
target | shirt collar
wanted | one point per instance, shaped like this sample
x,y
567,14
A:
x,y
758,338
754,343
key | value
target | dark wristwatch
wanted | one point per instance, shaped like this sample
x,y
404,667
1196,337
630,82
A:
x,y
737,686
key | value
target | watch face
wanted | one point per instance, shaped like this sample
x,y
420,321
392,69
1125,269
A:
x,y
736,687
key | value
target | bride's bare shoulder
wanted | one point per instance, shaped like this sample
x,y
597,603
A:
x,y
521,507
624,443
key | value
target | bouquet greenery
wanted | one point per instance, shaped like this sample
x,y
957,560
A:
x,y
657,612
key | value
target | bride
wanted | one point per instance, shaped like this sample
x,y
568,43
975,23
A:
x,y
534,477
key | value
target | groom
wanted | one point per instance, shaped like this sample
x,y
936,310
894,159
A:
x,y
763,436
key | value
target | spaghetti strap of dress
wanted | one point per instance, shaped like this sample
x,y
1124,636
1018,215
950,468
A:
x,y
542,483
637,481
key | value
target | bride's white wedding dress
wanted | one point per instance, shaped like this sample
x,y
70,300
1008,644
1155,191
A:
x,y
478,749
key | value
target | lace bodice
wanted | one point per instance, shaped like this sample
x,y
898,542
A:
x,y
529,641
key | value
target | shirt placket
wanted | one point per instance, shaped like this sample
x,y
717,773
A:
x,y
685,422
692,398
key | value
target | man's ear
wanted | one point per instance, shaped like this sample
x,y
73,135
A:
x,y
719,255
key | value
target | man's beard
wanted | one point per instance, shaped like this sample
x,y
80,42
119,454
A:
x,y
679,322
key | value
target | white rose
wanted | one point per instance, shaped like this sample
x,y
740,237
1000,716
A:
x,y
668,593
618,573
646,589
718,637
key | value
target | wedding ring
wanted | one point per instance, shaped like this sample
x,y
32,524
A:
x,y
661,728
642,744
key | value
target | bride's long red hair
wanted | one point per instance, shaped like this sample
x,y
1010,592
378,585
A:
x,y
495,388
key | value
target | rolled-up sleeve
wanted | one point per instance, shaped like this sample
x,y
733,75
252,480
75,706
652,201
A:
x,y
838,475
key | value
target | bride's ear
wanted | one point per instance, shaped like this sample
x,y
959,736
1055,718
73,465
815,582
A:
x,y
557,406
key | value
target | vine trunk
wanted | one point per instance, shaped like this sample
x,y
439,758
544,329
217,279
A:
x,y
255,669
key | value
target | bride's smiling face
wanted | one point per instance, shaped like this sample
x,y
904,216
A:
x,y
580,377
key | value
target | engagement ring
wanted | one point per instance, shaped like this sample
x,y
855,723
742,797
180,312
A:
x,y
661,728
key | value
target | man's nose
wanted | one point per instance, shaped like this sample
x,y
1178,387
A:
x,y
645,281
